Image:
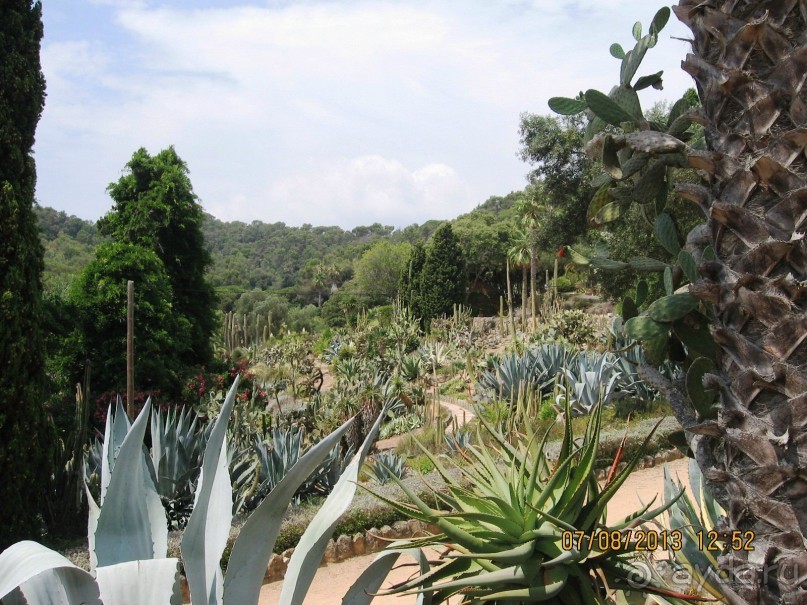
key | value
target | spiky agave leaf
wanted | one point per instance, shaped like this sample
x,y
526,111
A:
x,y
510,530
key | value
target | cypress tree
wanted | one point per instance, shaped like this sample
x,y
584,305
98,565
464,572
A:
x,y
442,279
409,287
26,435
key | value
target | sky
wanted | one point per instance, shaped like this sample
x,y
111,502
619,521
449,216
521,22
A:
x,y
325,112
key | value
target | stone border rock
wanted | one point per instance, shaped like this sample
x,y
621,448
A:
x,y
346,547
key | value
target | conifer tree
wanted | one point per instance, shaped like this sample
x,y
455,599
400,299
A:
x,y
442,279
409,288
155,207
25,430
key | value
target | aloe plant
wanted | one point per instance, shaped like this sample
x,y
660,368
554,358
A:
x,y
525,529
128,533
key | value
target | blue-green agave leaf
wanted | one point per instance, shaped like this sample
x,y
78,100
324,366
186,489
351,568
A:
x,y
152,582
117,427
92,525
308,553
253,548
44,577
209,525
132,524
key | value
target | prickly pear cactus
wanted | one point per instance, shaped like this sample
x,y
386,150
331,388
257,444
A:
x,y
637,157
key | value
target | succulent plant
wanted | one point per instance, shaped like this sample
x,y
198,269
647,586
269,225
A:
x,y
177,447
458,440
412,367
385,465
277,456
511,377
524,529
401,424
699,520
551,358
128,534
591,382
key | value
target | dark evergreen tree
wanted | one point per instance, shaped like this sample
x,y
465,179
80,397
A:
x,y
155,207
443,278
409,289
26,440
98,297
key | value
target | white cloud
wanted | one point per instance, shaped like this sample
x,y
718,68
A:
x,y
365,190
338,112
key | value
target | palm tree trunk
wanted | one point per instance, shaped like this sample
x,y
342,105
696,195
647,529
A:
x,y
749,60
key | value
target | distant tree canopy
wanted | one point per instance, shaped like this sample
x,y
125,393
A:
x,y
485,235
434,279
377,273
155,207
25,433
554,146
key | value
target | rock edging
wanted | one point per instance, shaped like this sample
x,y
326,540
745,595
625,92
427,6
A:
x,y
346,547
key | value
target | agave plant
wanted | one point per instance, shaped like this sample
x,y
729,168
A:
x,y
437,354
591,382
386,465
177,448
128,531
277,457
401,424
511,377
458,440
551,358
699,519
534,371
630,381
412,367
525,529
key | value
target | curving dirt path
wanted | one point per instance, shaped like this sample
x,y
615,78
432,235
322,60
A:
x,y
332,581
460,411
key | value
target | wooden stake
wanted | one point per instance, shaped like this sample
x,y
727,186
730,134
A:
x,y
130,349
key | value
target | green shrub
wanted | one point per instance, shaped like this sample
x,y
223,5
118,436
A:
x,y
382,314
421,464
563,283
573,326
547,411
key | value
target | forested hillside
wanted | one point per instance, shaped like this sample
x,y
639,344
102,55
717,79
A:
x,y
301,264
